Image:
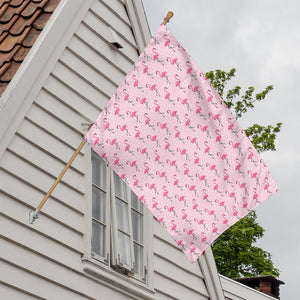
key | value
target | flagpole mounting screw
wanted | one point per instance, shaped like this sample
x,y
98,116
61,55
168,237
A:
x,y
168,17
33,215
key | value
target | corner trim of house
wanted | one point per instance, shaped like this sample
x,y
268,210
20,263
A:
x,y
211,275
35,69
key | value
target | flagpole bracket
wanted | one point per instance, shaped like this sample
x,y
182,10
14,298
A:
x,y
33,215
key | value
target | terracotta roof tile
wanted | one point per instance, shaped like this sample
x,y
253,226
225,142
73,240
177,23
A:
x,y
6,26
10,72
15,2
3,9
32,7
50,6
11,40
41,21
4,68
21,54
5,57
21,22
11,11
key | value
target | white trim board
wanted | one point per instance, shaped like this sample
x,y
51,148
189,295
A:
x,y
34,71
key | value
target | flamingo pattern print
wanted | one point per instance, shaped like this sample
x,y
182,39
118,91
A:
x,y
168,134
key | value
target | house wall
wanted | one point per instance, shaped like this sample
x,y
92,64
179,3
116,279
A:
x,y
44,260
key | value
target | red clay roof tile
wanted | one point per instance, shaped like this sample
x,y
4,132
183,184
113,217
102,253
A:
x,y
10,72
21,54
21,22
10,41
41,21
11,11
6,26
6,57
31,37
3,9
32,7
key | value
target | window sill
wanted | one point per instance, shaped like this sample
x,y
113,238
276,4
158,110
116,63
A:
x,y
119,282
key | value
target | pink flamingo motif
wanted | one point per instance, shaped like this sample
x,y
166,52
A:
x,y
192,140
184,216
238,166
190,232
116,159
172,163
180,198
188,121
117,109
155,57
96,138
253,175
216,186
145,70
142,101
146,168
215,229
235,212
161,125
131,113
167,42
165,191
223,156
161,74
127,147
171,209
154,202
205,194
157,106
255,195
226,177
194,89
221,203
231,194
245,204
177,134
202,178
189,70
267,185
218,138
225,221
152,138
235,146
213,168
241,185
178,81
150,186
167,95
204,238
106,124
203,75
215,117
209,99
173,228
172,61
126,95
250,156
121,127
136,82
230,126
207,148
198,110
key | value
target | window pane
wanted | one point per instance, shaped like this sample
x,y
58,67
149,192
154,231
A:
x,y
99,204
122,215
120,187
137,226
136,202
124,247
138,259
98,238
99,171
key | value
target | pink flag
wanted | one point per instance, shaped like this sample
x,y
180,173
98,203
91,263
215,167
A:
x,y
170,137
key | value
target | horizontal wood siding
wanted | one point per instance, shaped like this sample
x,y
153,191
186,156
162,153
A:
x,y
174,275
44,260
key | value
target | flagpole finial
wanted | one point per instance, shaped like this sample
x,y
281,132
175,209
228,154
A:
x,y
168,17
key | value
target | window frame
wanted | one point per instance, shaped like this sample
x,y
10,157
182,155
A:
x,y
102,266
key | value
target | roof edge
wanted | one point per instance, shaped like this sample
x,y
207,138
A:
x,y
23,89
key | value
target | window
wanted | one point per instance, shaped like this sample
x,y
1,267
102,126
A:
x,y
118,223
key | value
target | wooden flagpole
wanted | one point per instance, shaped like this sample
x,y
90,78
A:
x,y
33,215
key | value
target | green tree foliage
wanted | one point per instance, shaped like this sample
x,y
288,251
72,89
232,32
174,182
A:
x,y
234,251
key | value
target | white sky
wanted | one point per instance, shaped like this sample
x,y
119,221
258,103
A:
x,y
261,39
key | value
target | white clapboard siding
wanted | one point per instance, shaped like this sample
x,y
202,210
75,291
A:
x,y
172,268
44,260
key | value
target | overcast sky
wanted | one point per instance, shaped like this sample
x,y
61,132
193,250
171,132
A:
x,y
261,39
